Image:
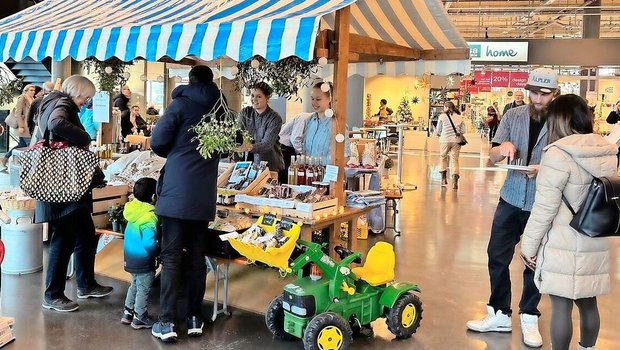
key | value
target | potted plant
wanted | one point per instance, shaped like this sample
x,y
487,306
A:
x,y
115,214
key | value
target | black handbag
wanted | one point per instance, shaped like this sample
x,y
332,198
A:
x,y
599,215
460,137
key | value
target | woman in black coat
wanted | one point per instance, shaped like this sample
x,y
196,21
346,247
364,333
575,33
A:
x,y
71,223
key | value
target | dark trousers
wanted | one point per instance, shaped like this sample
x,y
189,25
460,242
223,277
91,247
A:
x,y
72,233
492,131
508,226
287,153
183,265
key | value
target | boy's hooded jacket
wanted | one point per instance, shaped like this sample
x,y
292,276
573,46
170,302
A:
x,y
140,237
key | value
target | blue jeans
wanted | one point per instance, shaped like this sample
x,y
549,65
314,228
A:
x,y
138,293
72,233
23,142
508,226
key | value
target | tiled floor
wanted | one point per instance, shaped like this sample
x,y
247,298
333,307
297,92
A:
x,y
443,249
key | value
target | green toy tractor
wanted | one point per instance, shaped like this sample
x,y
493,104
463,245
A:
x,y
324,311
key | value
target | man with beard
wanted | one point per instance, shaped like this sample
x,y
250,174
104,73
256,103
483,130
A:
x,y
521,137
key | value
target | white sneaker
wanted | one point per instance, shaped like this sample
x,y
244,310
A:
x,y
493,322
529,327
581,347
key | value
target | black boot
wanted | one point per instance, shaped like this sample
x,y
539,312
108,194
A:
x,y
455,182
444,178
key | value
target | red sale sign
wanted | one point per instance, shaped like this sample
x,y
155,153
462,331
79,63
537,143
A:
x,y
518,79
482,78
500,79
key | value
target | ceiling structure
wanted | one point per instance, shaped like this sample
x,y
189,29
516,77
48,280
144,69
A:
x,y
533,19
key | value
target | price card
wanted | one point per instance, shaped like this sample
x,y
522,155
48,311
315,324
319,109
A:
x,y
287,224
101,107
269,219
331,173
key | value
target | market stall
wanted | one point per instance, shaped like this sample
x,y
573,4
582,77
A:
x,y
341,31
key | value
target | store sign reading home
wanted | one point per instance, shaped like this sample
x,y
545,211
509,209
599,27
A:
x,y
498,51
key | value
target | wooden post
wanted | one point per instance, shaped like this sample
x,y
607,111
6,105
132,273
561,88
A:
x,y
339,102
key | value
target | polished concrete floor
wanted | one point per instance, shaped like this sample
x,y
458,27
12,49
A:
x,y
442,248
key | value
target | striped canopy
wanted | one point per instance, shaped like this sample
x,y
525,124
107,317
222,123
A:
x,y
209,29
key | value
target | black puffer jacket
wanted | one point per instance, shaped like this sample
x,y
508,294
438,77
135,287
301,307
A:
x,y
60,116
187,185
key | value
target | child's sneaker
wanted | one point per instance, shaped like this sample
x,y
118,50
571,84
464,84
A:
x,y
140,322
127,316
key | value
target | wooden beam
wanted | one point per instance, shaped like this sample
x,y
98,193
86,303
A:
x,y
445,54
339,103
365,45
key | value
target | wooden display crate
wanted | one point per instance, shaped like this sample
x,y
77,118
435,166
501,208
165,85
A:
x,y
103,198
311,211
252,189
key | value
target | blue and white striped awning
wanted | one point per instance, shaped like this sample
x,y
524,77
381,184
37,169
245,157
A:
x,y
209,29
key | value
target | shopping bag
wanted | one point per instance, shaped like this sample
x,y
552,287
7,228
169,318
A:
x,y
57,173
11,120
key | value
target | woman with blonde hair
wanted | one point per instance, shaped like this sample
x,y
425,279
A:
x,y
21,112
449,126
571,267
71,223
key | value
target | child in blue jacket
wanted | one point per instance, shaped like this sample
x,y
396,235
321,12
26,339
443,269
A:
x,y
141,251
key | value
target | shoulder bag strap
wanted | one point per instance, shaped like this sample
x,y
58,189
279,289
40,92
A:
x,y
568,205
452,123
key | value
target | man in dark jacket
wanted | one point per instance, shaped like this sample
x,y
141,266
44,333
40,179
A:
x,y
31,119
186,201
519,101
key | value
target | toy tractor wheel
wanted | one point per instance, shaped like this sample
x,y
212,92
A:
x,y
274,318
404,318
328,331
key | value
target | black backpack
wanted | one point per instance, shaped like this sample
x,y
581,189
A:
x,y
599,215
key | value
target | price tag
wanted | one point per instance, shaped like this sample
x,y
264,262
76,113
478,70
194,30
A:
x,y
269,219
286,224
331,173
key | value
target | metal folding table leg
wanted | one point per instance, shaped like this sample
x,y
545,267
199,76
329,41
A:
x,y
218,274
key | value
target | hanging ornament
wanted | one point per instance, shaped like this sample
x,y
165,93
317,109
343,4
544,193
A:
x,y
450,80
108,70
329,113
143,77
234,70
322,61
255,64
126,75
435,97
415,100
443,94
340,138
325,87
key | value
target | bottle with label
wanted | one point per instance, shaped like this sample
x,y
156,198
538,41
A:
x,y
310,172
291,171
320,169
301,171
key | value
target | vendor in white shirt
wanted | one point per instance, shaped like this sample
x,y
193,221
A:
x,y
292,141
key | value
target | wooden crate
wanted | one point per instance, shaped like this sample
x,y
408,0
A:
x,y
313,211
103,198
252,189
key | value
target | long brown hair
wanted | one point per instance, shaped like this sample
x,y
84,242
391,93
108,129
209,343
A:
x,y
567,115
452,108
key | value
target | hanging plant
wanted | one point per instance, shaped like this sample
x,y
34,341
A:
x,y
110,74
9,88
285,76
218,131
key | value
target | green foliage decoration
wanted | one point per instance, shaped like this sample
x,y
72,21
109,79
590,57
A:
x,y
285,76
108,81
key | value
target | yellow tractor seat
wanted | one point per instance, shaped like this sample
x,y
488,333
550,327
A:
x,y
378,268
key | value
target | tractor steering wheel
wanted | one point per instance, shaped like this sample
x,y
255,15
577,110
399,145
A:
x,y
344,252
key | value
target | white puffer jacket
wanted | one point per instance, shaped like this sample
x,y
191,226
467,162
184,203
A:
x,y
569,264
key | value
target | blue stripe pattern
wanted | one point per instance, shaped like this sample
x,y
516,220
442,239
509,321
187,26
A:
x,y
142,24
